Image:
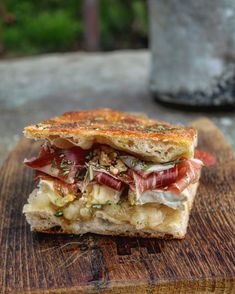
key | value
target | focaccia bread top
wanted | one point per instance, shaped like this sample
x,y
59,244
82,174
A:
x,y
136,134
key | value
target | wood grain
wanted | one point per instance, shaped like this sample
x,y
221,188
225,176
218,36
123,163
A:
x,y
202,262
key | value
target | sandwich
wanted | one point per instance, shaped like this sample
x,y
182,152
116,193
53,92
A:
x,y
112,173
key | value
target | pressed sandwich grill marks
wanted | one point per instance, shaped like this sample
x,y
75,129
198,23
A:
x,y
150,139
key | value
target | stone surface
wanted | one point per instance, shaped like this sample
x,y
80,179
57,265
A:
x,y
193,51
35,88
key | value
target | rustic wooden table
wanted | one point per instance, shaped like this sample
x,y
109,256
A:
x,y
35,88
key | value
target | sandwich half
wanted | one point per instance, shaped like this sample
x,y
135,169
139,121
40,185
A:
x,y
112,173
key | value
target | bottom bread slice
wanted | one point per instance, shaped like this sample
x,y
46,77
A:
x,y
44,220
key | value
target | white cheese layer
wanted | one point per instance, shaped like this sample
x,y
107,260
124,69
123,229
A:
x,y
172,200
149,214
101,194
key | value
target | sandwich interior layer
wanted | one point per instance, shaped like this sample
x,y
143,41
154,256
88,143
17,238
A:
x,y
44,212
107,191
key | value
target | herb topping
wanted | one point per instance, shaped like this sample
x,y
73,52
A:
x,y
58,213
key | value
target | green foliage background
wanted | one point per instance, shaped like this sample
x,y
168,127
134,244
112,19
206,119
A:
x,y
39,26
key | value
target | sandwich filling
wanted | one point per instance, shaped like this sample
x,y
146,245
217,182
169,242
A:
x,y
81,185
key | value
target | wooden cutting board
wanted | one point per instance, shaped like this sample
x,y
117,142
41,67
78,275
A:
x,y
203,261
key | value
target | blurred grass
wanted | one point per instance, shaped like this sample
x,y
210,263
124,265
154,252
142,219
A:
x,y
31,27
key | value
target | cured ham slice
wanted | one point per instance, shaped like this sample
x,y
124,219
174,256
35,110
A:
x,y
207,158
105,179
70,166
155,180
175,179
58,163
188,173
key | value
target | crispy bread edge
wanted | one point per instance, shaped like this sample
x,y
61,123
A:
x,y
130,134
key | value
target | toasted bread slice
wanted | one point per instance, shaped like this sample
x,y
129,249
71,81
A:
x,y
149,139
43,220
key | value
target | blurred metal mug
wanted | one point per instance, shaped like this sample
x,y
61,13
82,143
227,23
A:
x,y
193,52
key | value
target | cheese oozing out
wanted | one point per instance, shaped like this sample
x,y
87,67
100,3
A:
x,y
102,202
170,199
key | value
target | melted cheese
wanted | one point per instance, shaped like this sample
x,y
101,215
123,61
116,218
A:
x,y
37,201
72,211
100,194
47,188
147,216
47,198
172,200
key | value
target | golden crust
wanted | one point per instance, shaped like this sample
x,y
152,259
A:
x,y
152,140
109,122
